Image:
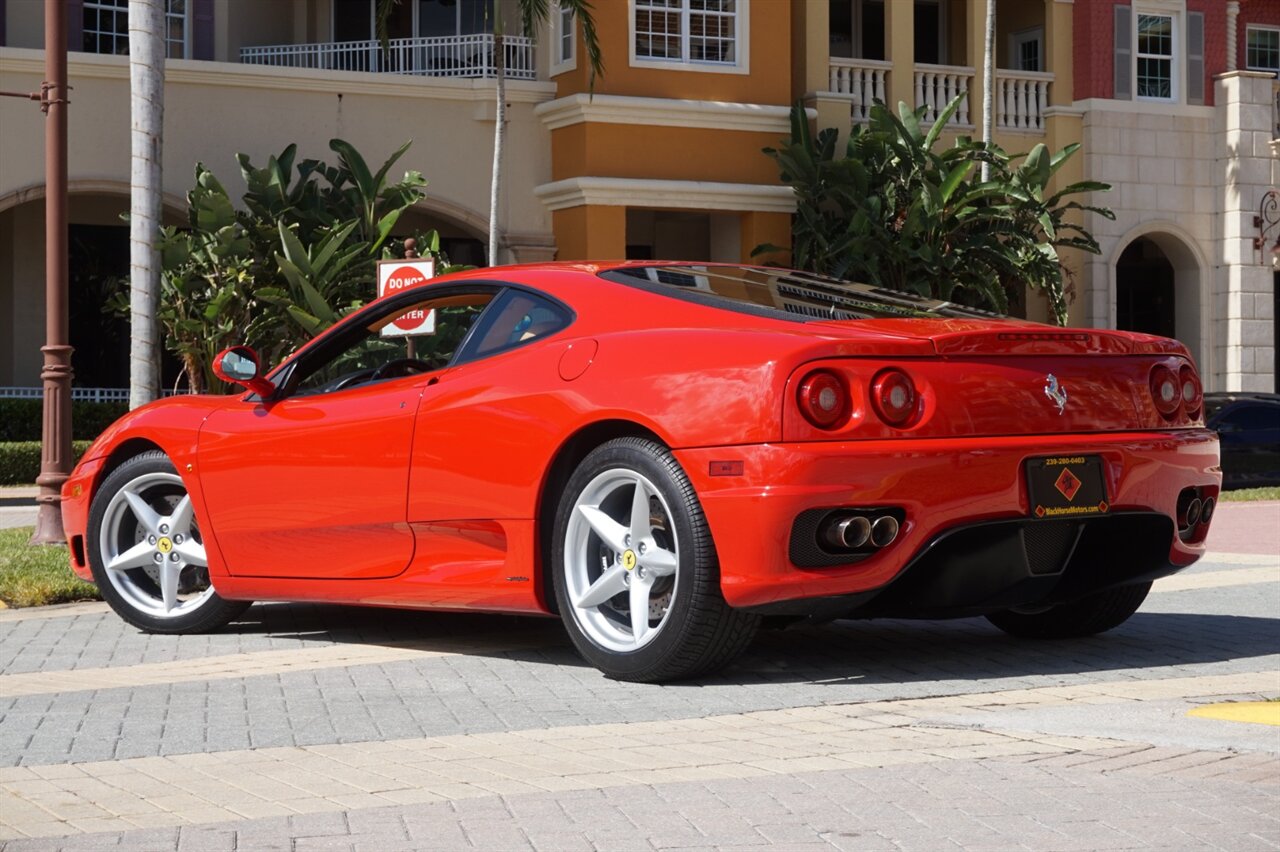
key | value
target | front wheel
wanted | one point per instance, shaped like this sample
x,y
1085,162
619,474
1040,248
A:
x,y
636,575
1095,613
147,553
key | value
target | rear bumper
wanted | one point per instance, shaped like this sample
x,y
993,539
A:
x,y
943,486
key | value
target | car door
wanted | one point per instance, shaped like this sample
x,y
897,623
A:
x,y
484,437
313,483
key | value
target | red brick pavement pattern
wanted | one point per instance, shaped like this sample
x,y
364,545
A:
x,y
1246,528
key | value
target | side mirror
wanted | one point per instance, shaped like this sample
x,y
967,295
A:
x,y
239,366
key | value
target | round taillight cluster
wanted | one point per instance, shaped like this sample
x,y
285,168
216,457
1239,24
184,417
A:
x,y
1171,391
824,399
894,397
1192,393
1165,390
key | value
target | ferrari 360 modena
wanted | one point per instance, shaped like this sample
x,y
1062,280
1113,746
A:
x,y
664,456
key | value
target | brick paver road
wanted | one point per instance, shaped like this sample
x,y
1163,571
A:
x,y
307,728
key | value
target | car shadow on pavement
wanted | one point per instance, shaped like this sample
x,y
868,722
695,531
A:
x,y
893,651
876,651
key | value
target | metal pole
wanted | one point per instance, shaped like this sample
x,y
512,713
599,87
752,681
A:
x,y
55,454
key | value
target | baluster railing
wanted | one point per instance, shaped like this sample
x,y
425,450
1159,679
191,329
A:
x,y
862,81
443,56
1021,99
936,85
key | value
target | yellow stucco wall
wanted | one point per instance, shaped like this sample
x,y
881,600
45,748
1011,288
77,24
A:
x,y
768,57
665,153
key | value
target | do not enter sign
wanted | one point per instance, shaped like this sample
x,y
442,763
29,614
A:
x,y
395,276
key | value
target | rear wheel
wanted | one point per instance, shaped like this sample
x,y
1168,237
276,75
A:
x,y
636,575
1093,614
147,553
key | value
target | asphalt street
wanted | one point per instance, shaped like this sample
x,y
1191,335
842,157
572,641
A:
x,y
307,728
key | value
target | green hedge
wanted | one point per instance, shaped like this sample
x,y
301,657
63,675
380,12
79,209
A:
x,y
20,419
20,460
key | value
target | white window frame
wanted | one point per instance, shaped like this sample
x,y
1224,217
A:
x,y
1261,28
185,15
186,29
1177,56
115,11
564,30
742,40
1018,39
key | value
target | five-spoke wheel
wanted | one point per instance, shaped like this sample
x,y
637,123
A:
x,y
147,554
636,576
620,560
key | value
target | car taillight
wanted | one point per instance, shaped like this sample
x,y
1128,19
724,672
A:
x,y
823,399
1165,390
1192,393
893,396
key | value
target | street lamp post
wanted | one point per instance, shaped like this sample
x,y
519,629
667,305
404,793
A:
x,y
55,453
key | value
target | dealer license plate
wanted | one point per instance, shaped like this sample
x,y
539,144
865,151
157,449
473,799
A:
x,y
1066,486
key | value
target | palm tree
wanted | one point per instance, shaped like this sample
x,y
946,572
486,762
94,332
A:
x,y
146,86
533,14
989,82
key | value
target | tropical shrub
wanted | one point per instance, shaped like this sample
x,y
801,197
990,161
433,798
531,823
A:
x,y
298,255
894,212
21,419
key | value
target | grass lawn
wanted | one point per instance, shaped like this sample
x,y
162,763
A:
x,y
1244,495
35,576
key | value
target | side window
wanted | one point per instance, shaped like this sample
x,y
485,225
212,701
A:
x,y
516,319
415,339
1247,418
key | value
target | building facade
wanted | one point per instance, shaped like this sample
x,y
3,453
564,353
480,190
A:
x,y
1173,102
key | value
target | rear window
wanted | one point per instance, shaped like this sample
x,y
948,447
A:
x,y
785,294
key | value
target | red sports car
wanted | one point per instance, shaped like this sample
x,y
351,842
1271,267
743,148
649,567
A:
x,y
662,454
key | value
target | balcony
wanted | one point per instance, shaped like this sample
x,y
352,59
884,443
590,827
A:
x,y
444,56
1021,97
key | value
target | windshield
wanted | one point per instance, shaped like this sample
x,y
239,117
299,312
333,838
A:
x,y
786,294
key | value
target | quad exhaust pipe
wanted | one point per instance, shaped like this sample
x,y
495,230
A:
x,y
1194,512
854,531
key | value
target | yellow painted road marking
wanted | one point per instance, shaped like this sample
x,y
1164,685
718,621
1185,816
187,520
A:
x,y
1255,712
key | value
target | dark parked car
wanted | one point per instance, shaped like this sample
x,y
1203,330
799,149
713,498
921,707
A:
x,y
1248,427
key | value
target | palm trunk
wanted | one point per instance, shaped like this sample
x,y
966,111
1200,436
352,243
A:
x,y
146,83
989,82
499,134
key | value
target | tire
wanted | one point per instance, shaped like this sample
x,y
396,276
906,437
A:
x,y
1093,614
656,551
141,512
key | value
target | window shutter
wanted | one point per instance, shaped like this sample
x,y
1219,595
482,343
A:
x,y
202,29
75,25
1195,57
1123,53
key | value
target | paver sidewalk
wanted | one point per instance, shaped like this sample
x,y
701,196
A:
x,y
308,728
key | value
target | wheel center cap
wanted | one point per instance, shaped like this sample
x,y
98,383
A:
x,y
629,559
164,545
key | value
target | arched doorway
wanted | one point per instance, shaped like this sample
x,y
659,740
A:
x,y
1159,289
98,272
1146,299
